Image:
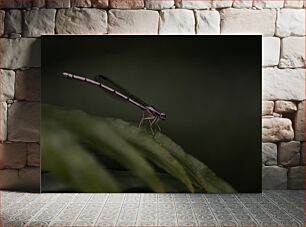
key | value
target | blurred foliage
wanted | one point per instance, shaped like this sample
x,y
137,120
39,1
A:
x,y
155,162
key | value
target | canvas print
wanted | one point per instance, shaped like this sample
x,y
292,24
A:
x,y
151,114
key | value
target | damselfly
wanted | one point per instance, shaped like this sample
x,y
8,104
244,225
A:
x,y
149,113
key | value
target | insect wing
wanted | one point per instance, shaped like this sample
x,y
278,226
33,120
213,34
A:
x,y
108,82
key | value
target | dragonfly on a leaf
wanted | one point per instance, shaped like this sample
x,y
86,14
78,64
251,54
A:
x,y
149,113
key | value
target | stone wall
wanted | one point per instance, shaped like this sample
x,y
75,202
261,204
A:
x,y
281,22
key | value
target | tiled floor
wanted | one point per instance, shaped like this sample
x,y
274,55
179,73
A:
x,y
271,208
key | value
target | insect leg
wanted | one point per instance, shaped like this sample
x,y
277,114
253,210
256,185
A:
x,y
156,123
153,122
142,119
149,118
153,133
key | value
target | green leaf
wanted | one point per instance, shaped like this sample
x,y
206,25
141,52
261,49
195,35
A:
x,y
69,161
99,135
133,148
201,174
153,151
212,183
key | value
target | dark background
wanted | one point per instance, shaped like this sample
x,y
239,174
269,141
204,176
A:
x,y
209,86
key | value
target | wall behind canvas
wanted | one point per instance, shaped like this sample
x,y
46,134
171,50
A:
x,y
281,22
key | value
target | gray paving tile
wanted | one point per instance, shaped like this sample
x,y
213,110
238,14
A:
x,y
270,208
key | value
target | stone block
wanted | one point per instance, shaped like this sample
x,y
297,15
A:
x,y
289,153
9,179
269,154
2,14
285,106
191,4
3,121
1,156
242,4
80,3
221,3
126,4
274,177
81,21
33,154
13,155
56,4
293,4
99,3
24,122
38,3
293,52
133,22
271,51
283,84
7,82
262,4
303,160
296,178
248,21
39,22
267,107
290,22
177,21
27,86
20,53
159,4
207,22
277,129
25,180
299,122
13,21
15,4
